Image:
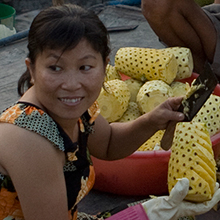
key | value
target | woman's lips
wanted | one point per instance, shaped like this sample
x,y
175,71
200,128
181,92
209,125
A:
x,y
70,101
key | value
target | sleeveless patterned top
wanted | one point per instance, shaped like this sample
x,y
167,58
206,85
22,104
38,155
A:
x,y
78,170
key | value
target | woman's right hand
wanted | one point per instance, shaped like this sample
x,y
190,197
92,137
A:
x,y
166,112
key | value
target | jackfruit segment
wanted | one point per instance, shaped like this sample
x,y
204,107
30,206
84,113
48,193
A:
x,y
210,114
153,143
134,86
179,88
146,64
194,159
113,99
184,60
131,113
111,73
151,94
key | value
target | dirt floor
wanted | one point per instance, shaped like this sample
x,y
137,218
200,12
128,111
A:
x,y
12,66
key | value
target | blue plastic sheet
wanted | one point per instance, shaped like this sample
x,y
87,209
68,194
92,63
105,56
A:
x,y
124,2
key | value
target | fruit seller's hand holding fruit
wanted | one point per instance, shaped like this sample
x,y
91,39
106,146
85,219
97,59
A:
x,y
174,206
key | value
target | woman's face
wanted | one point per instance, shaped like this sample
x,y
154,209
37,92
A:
x,y
67,86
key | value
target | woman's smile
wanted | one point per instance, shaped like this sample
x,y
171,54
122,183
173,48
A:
x,y
70,101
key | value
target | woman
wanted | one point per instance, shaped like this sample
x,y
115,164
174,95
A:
x,y
47,137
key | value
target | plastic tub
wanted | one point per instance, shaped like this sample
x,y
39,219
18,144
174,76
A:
x,y
143,172
7,16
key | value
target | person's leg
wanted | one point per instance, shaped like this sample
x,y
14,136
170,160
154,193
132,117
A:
x,y
182,23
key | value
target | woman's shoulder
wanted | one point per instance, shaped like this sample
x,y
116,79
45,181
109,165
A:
x,y
22,131
17,110
32,118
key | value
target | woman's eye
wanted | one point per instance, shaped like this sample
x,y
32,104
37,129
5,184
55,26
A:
x,y
86,67
55,68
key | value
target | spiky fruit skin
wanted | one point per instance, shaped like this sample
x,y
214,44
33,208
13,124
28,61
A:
x,y
134,86
111,73
146,64
179,88
153,143
192,157
153,93
210,114
184,60
113,99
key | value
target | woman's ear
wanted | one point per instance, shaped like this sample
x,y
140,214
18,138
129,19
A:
x,y
107,61
30,68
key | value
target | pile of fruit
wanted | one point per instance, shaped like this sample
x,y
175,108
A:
x,y
153,75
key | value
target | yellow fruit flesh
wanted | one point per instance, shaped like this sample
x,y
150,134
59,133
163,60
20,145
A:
x,y
152,143
134,86
153,93
192,157
113,99
210,114
111,73
146,64
184,60
131,113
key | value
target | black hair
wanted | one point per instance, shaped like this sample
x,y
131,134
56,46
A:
x,y
63,27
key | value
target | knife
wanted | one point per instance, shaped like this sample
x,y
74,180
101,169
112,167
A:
x,y
201,89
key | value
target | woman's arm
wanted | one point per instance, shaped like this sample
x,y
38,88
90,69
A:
x,y
118,140
36,169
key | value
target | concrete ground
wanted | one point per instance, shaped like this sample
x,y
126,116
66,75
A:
x,y
23,6
12,66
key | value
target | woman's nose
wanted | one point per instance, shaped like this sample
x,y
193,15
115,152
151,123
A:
x,y
71,81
